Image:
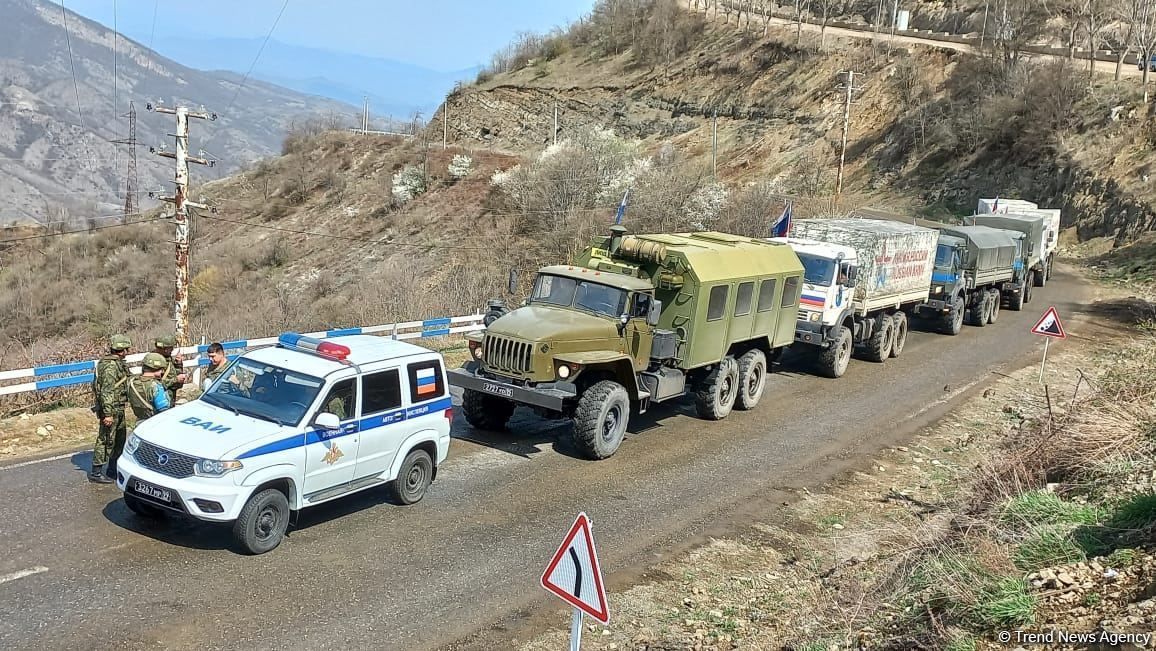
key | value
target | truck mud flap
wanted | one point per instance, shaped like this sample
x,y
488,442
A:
x,y
553,398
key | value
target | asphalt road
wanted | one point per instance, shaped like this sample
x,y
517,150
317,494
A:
x,y
79,571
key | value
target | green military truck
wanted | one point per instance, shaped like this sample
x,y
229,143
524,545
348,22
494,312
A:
x,y
637,320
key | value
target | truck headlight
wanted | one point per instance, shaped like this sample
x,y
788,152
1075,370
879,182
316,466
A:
x,y
131,444
563,371
938,289
816,316
210,468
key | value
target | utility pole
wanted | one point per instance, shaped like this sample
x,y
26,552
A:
x,y
180,209
131,205
849,86
983,31
894,23
555,122
365,117
714,145
445,122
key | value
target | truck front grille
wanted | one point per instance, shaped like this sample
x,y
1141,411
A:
x,y
507,354
804,315
166,462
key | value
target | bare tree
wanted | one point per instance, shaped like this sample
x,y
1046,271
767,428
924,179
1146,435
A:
x,y
1017,22
1127,12
1145,35
1097,13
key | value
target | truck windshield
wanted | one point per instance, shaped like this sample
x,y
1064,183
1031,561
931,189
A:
x,y
943,255
818,271
581,294
264,391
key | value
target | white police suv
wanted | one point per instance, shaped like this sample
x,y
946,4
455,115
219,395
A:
x,y
292,426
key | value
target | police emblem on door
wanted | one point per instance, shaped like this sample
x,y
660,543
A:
x,y
333,455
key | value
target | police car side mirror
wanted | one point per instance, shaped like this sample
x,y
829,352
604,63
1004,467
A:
x,y
326,420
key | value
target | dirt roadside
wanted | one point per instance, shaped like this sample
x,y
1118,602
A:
x,y
825,570
36,435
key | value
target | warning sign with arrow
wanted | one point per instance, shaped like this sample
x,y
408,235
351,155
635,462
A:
x,y
574,575
1049,325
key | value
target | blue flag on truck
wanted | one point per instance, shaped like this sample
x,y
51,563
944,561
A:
x,y
782,225
622,208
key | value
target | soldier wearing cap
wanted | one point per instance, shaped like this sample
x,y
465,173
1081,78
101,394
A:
x,y
174,377
146,394
109,394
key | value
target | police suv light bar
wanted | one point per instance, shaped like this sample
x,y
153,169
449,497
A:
x,y
312,345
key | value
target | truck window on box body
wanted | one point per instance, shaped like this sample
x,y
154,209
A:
x,y
767,295
718,302
817,271
380,392
744,297
425,381
791,291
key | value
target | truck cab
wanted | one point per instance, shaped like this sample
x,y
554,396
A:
x,y
289,427
829,275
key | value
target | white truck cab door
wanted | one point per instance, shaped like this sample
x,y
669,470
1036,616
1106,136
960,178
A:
x,y
331,455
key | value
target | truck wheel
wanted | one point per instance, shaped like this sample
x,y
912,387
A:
x,y
1015,302
414,477
977,314
142,508
833,359
752,379
1027,291
262,522
900,325
993,311
954,319
600,419
1038,278
879,346
487,412
716,394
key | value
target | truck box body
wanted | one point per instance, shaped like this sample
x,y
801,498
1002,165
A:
x,y
1035,227
991,252
1002,206
1022,207
895,259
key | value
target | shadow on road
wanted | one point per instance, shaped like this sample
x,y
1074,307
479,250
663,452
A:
x,y
1131,311
82,461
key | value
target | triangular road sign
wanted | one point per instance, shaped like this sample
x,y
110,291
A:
x,y
574,575
1049,325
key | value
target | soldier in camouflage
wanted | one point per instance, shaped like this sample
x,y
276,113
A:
x,y
174,377
217,364
146,394
109,393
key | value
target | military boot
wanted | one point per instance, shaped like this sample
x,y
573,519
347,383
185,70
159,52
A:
x,y
97,476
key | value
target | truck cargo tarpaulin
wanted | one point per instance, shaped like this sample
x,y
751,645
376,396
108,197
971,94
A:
x,y
895,258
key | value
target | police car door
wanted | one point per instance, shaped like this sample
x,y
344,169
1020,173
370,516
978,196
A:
x,y
331,455
382,417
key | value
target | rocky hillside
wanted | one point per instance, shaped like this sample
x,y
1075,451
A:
x,y
937,126
56,158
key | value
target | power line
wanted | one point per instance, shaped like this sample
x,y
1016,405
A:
x,y
72,63
346,238
86,230
254,64
153,33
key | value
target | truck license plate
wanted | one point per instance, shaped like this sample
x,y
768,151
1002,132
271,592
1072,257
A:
x,y
498,390
154,492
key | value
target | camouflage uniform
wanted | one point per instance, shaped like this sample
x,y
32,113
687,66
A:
x,y
109,387
146,396
169,379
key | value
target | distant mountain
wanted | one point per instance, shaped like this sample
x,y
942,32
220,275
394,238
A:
x,y
394,88
57,162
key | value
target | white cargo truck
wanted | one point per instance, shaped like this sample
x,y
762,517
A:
x,y
861,279
1038,248
1051,240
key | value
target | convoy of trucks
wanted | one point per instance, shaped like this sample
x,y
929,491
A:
x,y
638,320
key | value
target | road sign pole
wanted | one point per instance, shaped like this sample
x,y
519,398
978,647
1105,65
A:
x,y
576,631
1044,362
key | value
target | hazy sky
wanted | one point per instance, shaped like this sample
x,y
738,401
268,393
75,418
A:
x,y
443,35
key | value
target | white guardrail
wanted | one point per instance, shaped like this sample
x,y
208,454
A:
x,y
63,375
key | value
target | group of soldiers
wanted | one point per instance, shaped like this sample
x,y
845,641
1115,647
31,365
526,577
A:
x,y
153,391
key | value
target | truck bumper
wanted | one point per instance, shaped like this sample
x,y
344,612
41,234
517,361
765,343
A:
x,y
811,334
547,395
933,307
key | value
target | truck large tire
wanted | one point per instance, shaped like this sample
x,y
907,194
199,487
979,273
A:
x,y
716,394
977,313
486,412
1038,278
752,379
833,359
600,419
1027,291
1015,302
993,309
953,320
899,320
879,345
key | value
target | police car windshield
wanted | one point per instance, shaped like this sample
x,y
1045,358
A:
x,y
581,294
264,391
817,271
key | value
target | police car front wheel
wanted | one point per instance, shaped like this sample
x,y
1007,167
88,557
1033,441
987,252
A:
x,y
262,523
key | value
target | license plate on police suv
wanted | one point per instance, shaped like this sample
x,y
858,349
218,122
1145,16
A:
x,y
498,390
155,492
